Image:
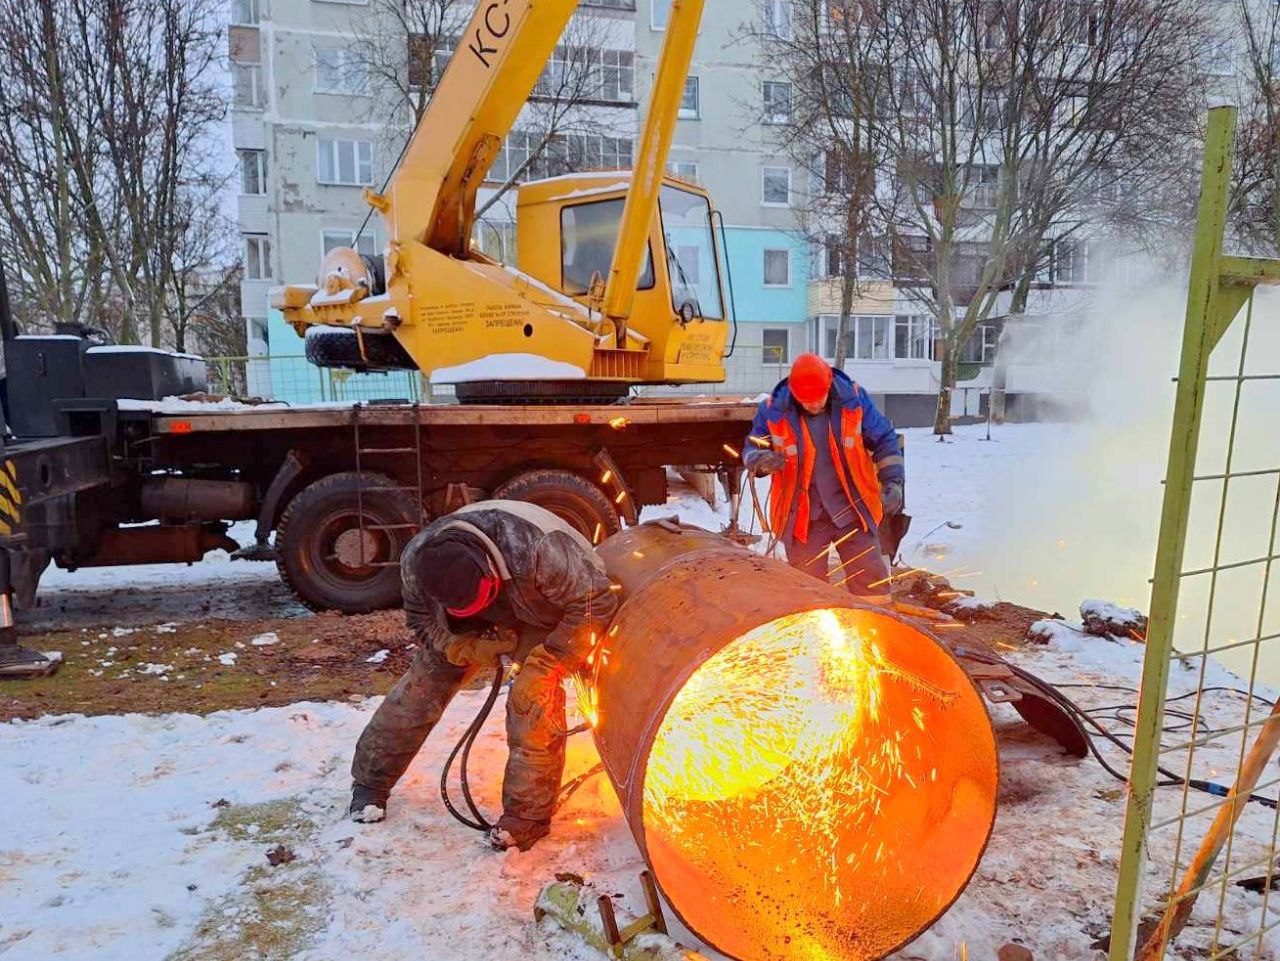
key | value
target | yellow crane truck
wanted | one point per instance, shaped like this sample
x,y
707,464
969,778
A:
x,y
600,299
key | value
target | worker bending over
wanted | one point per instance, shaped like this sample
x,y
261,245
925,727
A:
x,y
498,579
837,471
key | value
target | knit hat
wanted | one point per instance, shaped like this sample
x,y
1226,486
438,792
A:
x,y
455,570
810,379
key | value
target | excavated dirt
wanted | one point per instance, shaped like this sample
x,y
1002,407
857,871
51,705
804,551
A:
x,y
117,659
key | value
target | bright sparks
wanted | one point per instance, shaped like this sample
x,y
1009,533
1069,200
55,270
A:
x,y
795,774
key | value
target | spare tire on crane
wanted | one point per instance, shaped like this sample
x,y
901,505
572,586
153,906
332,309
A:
x,y
339,347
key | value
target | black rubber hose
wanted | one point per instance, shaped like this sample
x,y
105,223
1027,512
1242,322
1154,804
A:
x,y
463,747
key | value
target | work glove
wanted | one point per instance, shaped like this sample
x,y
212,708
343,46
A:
x,y
891,494
767,462
481,650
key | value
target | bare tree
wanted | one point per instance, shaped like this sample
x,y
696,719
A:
x,y
109,111
994,125
814,65
402,48
1257,184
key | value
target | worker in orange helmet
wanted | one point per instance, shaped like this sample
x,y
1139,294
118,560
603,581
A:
x,y
837,471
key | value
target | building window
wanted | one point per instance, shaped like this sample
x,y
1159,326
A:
x,y
869,338
914,337
253,172
609,74
344,162
777,268
660,14
686,170
246,80
364,244
777,19
257,257
563,155
777,346
245,12
777,101
340,70
691,102
776,187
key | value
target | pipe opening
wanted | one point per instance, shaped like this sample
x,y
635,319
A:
x,y
822,787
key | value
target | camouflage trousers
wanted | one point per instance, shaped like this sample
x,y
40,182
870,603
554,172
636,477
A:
x,y
535,727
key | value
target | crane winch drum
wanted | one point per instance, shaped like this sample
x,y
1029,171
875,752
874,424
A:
x,y
805,776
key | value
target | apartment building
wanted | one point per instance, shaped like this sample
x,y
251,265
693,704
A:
x,y
311,128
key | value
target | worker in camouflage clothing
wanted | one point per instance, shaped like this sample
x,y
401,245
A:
x,y
498,579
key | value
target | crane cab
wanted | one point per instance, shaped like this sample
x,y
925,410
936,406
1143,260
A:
x,y
567,230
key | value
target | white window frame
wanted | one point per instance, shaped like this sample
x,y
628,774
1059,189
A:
x,y
368,244
674,168
764,268
770,115
765,171
347,63
255,6
257,100
259,158
333,147
765,349
830,324
778,15
694,83
262,243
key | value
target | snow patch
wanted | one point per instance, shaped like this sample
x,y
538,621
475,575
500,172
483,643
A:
x,y
227,660
379,658
266,640
508,367
1058,635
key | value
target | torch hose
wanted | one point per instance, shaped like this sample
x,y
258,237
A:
x,y
462,752
1080,717
463,748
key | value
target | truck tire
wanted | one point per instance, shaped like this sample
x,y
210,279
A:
x,y
567,495
318,543
339,347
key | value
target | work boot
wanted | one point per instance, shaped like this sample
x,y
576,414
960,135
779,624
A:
x,y
513,832
367,805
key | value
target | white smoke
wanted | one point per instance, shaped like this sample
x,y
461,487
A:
x,y
1082,520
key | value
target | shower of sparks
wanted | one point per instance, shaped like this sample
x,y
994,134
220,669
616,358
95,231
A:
x,y
802,753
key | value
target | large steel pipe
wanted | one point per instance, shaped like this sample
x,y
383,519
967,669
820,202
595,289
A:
x,y
806,778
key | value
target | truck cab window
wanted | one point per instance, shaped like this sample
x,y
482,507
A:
x,y
691,255
589,234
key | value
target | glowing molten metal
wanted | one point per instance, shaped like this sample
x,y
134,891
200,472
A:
x,y
807,780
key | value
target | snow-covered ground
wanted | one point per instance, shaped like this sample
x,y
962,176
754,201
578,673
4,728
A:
x,y
139,838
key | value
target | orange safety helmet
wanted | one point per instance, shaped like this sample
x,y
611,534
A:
x,y
810,379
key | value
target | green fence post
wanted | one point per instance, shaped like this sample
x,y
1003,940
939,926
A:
x,y
1199,339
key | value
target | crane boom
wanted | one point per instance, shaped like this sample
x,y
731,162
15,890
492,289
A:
x,y
651,159
432,197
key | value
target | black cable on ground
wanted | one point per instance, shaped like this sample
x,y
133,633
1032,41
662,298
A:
x,y
463,747
1079,717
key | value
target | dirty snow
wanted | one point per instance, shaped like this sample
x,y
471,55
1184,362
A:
x,y
154,831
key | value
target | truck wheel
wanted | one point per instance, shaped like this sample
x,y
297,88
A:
x,y
339,347
570,497
319,548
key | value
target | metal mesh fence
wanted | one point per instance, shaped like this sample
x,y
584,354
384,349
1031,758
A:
x,y
296,381
1202,821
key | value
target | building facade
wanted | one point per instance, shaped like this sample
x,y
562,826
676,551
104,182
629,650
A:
x,y
312,126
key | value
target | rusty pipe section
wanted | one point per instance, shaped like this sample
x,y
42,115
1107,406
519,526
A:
x,y
806,778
